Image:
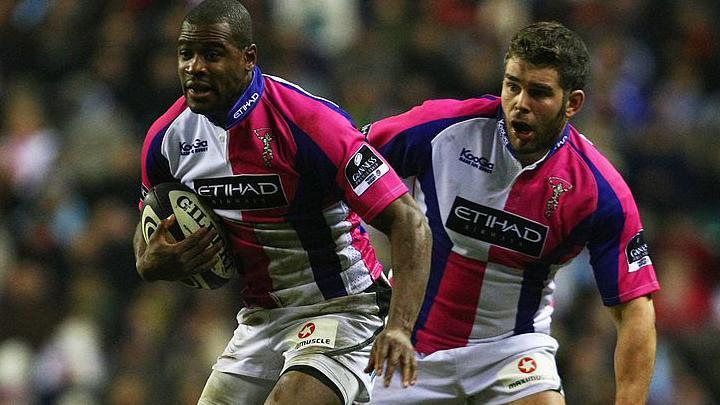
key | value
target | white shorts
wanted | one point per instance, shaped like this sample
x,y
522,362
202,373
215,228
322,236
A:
x,y
486,373
334,338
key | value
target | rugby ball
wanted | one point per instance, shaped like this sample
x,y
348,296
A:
x,y
191,212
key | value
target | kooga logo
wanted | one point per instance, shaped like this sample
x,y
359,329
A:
x,y
197,146
243,192
497,227
479,162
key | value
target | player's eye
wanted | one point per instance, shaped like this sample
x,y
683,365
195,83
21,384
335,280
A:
x,y
539,93
185,54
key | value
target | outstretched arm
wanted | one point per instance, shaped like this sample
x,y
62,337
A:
x,y
635,350
410,244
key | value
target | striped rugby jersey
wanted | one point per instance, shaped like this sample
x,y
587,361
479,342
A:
x,y
501,231
291,176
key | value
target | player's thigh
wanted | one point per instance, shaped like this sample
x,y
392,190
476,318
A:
x,y
296,387
233,389
549,397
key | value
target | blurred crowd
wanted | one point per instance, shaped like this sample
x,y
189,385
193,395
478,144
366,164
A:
x,y
82,80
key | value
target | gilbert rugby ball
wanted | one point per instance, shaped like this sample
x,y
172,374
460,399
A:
x,y
191,212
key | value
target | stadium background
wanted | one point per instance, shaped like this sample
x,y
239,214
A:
x,y
81,80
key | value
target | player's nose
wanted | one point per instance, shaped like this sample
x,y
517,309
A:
x,y
195,65
522,101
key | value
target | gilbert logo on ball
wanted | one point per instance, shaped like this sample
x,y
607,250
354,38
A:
x,y
191,213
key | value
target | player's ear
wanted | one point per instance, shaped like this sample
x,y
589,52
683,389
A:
x,y
250,56
576,99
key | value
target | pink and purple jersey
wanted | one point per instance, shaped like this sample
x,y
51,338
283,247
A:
x,y
500,230
291,176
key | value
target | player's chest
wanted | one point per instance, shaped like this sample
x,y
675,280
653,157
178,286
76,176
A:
x,y
487,200
245,169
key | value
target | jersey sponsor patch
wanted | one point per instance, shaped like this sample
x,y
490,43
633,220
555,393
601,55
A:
x,y
364,169
497,227
637,253
243,192
528,370
313,333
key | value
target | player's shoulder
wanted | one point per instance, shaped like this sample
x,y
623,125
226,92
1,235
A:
x,y
476,106
446,109
294,101
167,118
433,116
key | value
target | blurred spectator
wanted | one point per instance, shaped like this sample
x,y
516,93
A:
x,y
28,145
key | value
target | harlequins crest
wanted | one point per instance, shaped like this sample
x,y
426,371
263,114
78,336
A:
x,y
558,187
265,136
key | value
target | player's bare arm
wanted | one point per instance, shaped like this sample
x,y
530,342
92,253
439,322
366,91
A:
x,y
635,350
163,259
410,244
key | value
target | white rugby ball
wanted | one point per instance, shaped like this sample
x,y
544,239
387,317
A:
x,y
191,212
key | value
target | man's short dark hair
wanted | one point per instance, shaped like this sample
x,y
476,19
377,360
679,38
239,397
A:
x,y
224,11
551,44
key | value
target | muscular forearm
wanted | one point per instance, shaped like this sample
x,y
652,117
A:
x,y
635,353
411,245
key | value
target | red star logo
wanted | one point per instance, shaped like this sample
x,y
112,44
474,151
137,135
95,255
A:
x,y
306,330
527,365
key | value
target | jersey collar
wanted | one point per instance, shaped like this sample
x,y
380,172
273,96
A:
x,y
248,101
501,132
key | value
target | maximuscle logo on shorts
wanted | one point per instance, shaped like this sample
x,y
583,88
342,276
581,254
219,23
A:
x,y
314,332
364,169
637,253
243,192
498,227
530,370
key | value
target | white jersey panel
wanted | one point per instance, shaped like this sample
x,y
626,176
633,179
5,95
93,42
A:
x,y
480,169
195,148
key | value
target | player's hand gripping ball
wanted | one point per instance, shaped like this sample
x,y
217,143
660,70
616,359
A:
x,y
191,212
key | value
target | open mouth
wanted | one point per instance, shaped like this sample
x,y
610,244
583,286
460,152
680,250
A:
x,y
198,89
522,130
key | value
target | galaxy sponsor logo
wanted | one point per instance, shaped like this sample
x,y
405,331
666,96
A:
x,y
478,162
497,227
243,192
